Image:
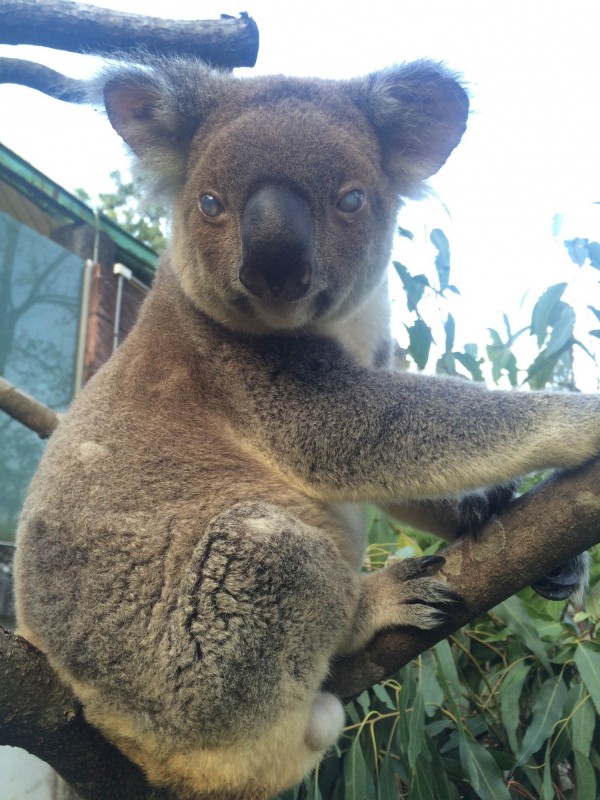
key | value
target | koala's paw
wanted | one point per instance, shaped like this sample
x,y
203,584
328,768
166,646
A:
x,y
568,580
474,510
422,601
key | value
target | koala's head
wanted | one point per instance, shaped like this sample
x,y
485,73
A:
x,y
285,191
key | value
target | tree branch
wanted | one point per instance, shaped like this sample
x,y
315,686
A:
x,y
42,716
44,79
27,410
226,42
535,534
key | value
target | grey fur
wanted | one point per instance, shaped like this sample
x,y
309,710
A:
x,y
189,553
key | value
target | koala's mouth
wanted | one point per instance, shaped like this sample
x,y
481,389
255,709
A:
x,y
285,314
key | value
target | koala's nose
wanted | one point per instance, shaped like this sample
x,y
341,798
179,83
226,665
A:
x,y
277,244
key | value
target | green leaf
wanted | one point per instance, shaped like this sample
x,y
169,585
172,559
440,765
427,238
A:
x,y
483,772
442,260
595,311
387,785
585,778
562,331
548,707
587,659
509,695
383,696
416,724
420,340
470,364
355,772
583,723
543,309
513,614
450,329
594,254
421,787
438,773
430,686
364,701
577,250
449,676
413,286
542,370
547,787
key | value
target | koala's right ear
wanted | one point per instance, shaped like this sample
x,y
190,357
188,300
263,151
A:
x,y
419,112
157,107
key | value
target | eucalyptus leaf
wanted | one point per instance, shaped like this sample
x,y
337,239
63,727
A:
x,y
421,787
583,724
509,696
513,614
483,772
594,254
585,777
548,707
355,772
416,724
543,310
420,340
587,659
442,260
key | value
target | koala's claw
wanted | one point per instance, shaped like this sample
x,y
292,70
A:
x,y
475,509
423,601
568,580
425,563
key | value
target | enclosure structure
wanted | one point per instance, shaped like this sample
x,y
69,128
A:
x,y
71,282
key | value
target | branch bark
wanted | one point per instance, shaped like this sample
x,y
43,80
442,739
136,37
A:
x,y
227,42
535,534
27,410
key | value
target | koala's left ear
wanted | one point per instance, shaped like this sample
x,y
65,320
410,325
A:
x,y
156,107
419,112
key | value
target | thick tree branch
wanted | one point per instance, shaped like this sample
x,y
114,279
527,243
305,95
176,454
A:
x,y
226,42
535,534
40,715
27,410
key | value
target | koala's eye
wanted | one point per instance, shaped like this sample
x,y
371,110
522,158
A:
x,y
210,206
351,202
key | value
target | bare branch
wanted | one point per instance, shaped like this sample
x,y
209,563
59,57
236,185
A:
x,y
44,79
535,534
27,409
226,42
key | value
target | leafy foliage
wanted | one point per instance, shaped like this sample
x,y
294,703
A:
x,y
124,205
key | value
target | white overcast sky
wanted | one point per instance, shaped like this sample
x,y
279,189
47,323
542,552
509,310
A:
x,y
532,149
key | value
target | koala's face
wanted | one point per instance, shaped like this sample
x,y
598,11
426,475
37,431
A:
x,y
285,191
285,218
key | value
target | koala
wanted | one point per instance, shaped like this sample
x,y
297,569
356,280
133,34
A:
x,y
189,552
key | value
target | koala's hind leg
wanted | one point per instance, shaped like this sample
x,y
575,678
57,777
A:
x,y
263,603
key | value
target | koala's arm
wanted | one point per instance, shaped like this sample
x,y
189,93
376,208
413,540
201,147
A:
x,y
451,517
355,434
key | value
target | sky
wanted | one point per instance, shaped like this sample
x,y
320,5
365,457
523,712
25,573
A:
x,y
532,149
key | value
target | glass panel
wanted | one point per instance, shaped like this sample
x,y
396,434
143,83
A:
x,y
40,304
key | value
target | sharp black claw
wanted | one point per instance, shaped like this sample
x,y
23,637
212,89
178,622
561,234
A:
x,y
426,562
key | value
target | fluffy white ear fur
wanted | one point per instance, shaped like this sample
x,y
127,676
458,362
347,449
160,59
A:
x,y
419,111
